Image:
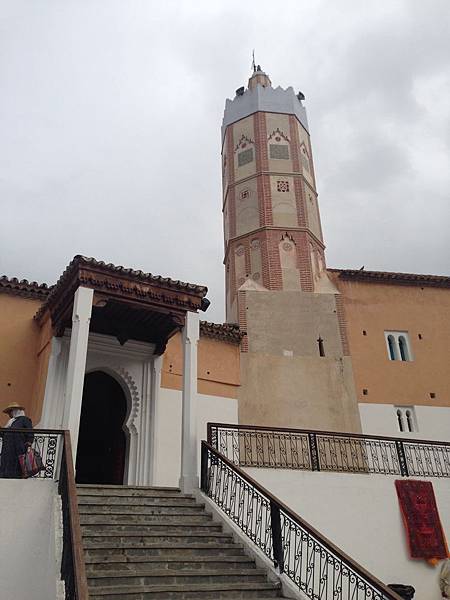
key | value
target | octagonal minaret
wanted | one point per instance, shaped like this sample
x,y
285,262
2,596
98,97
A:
x,y
295,365
273,235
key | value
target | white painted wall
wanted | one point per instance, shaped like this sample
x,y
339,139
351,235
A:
x,y
168,429
28,563
361,515
433,422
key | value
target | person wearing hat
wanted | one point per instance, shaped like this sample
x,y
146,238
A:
x,y
14,444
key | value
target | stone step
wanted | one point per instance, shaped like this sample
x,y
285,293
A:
x,y
155,577
155,539
130,551
187,591
143,519
130,491
102,500
168,528
145,509
104,562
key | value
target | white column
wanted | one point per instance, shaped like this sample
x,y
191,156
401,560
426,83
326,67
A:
x,y
189,451
154,418
51,397
81,316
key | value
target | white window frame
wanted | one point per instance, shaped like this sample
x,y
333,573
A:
x,y
409,424
397,338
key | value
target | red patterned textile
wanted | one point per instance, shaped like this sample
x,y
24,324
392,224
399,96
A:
x,y
421,518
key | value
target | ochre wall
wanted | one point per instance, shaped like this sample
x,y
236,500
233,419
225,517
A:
x,y
19,346
218,367
376,308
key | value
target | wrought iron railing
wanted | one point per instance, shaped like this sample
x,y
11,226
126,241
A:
x,y
316,566
253,446
54,448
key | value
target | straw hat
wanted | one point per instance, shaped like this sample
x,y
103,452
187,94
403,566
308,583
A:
x,y
13,406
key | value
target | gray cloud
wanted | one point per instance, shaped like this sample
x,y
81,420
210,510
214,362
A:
x,y
110,116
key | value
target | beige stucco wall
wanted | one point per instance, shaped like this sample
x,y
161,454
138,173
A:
x,y
293,321
303,392
284,380
376,308
19,346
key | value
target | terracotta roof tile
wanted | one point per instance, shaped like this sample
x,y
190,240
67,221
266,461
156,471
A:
x,y
227,332
138,276
24,288
387,277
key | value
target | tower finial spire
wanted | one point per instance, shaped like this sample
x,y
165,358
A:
x,y
253,61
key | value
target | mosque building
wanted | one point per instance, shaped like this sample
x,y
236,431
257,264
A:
x,y
303,346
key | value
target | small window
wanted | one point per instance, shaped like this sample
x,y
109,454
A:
x,y
406,419
398,346
321,346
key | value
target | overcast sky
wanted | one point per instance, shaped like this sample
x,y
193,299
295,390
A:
x,y
110,115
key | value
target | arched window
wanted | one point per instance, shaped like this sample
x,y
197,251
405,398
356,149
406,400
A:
x,y
403,347
409,420
391,345
400,420
398,346
406,419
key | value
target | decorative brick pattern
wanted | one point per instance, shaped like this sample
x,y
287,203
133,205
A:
x,y
342,320
242,316
260,128
293,132
230,153
304,261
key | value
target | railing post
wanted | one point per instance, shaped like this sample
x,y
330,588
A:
x,y
402,458
277,542
204,469
314,452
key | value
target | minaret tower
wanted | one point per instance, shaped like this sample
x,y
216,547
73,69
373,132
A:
x,y
277,287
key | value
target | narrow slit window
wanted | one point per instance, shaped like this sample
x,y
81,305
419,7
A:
x,y
321,347
409,421
403,348
400,420
391,344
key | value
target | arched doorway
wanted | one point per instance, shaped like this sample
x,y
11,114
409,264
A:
x,y
101,440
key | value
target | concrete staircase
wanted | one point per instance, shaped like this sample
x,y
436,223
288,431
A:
x,y
158,543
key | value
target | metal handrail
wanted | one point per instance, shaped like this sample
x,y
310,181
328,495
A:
x,y
261,516
58,462
292,430
315,450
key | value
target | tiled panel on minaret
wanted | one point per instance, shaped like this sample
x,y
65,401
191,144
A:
x,y
289,263
278,143
256,260
284,207
247,207
244,149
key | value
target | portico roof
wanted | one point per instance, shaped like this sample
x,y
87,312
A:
x,y
128,303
